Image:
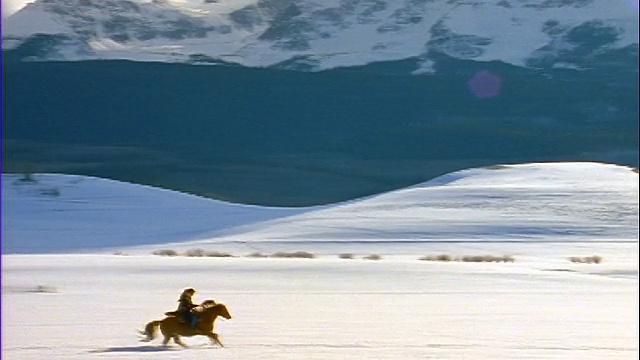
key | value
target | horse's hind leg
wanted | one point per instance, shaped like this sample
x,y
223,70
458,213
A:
x,y
215,339
178,341
165,342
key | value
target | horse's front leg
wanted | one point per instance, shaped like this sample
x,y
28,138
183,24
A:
x,y
178,341
165,341
214,338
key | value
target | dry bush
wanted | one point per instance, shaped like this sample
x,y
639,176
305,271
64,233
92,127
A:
x,y
195,253
165,252
442,257
373,257
595,259
42,289
217,254
487,258
204,253
471,258
297,255
257,255
346,256
45,289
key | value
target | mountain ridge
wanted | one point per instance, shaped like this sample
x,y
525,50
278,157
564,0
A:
x,y
314,36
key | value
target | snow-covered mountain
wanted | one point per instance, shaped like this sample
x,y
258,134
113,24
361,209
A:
x,y
317,35
530,203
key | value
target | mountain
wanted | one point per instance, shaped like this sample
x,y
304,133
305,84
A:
x,y
315,102
523,203
317,35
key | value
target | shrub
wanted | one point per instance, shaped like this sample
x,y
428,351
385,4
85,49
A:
x,y
165,252
595,259
203,253
468,258
297,254
373,257
346,256
257,255
45,289
443,257
195,253
487,258
217,254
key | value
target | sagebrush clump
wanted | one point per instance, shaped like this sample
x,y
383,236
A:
x,y
165,252
297,254
469,258
205,253
594,259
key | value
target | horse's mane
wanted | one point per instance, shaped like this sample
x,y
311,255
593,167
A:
x,y
208,304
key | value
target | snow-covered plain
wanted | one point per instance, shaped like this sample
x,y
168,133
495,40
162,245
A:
x,y
88,302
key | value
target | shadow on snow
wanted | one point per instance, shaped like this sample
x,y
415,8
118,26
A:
x,y
143,348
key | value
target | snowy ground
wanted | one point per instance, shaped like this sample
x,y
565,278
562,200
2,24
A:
x,y
88,303
394,308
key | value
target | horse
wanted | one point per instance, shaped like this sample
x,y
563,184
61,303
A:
x,y
172,327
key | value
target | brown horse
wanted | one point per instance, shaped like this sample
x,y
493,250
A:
x,y
172,327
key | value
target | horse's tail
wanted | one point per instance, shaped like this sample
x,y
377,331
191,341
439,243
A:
x,y
150,330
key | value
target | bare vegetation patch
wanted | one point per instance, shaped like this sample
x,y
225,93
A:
x,y
346,256
488,258
257,255
45,289
218,254
468,258
595,259
195,253
296,255
165,252
206,253
42,289
189,253
373,257
442,257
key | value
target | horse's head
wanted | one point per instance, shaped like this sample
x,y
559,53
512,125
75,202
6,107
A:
x,y
223,311
215,309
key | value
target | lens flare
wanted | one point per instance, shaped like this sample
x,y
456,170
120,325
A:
x,y
485,84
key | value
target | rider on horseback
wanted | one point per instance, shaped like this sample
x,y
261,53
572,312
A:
x,y
185,305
